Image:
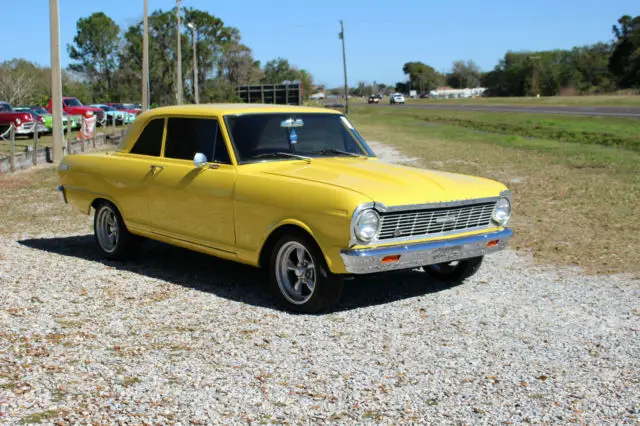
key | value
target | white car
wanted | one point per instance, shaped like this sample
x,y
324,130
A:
x,y
396,98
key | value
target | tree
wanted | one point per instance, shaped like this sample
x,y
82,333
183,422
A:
x,y
464,74
422,77
95,51
23,82
278,70
624,63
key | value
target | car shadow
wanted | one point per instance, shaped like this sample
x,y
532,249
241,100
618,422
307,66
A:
x,y
232,280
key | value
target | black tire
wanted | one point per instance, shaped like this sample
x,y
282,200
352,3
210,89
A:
x,y
327,287
124,245
455,271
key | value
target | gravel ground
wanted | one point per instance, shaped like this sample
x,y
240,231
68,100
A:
x,y
179,337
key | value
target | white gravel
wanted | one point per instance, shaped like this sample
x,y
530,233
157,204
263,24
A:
x,y
179,337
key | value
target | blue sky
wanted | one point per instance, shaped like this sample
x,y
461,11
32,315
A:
x,y
380,35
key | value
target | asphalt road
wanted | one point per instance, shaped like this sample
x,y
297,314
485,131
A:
x,y
631,112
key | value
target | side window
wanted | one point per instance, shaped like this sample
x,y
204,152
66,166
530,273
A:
x,y
150,141
188,136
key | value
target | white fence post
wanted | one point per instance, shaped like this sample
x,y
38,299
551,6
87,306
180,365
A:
x,y
12,153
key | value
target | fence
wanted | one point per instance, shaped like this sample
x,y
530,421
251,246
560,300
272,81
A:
x,y
33,154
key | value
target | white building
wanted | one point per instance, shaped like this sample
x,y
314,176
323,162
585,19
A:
x,y
448,93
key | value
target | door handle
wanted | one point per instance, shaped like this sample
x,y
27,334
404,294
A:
x,y
155,168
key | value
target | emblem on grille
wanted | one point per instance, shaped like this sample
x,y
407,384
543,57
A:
x,y
446,219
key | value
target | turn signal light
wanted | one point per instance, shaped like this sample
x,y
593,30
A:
x,y
492,243
391,259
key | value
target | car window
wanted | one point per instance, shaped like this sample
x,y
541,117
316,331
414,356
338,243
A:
x,y
319,134
188,136
150,140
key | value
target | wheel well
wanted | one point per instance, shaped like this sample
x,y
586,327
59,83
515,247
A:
x,y
275,235
97,201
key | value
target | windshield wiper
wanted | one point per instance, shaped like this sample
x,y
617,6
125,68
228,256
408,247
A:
x,y
281,154
336,151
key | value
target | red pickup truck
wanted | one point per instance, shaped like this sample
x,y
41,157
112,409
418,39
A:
x,y
73,106
24,122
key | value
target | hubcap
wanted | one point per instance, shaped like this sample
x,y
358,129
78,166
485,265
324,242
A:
x,y
107,229
295,273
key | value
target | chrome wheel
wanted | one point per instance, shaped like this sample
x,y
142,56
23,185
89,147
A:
x,y
107,229
295,273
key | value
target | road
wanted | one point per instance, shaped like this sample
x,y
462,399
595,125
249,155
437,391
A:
x,y
630,112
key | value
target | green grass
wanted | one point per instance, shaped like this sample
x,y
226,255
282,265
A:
x,y
575,203
593,100
607,131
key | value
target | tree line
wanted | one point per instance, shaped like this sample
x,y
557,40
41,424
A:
x,y
106,63
598,68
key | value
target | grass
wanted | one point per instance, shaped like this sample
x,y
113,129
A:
x,y
574,203
592,100
607,131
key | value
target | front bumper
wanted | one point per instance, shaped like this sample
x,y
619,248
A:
x,y
409,256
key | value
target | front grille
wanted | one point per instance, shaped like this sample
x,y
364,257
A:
x,y
435,221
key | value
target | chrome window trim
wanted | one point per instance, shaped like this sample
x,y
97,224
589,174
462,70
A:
x,y
381,208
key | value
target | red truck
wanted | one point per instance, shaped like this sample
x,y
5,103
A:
x,y
24,122
73,106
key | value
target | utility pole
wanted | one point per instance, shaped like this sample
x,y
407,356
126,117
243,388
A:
x,y
179,62
145,58
195,63
344,62
56,80
536,74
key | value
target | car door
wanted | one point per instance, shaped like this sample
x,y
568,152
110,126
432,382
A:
x,y
190,202
128,177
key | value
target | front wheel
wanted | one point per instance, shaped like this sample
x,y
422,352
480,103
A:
x,y
113,238
454,271
300,278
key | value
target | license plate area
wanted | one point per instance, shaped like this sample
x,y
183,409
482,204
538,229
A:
x,y
447,254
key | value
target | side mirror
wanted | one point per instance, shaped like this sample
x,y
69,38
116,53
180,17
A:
x,y
199,160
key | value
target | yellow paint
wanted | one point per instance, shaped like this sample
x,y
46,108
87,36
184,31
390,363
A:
x,y
231,210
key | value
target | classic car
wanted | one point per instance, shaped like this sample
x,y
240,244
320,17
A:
x,y
294,190
24,122
112,113
126,108
76,120
73,106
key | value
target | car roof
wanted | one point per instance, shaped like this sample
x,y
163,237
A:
x,y
230,109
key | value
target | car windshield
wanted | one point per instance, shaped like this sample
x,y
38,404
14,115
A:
x,y
107,108
5,108
260,137
40,110
72,102
117,106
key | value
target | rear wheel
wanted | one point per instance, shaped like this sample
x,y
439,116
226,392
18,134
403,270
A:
x,y
113,238
454,271
300,278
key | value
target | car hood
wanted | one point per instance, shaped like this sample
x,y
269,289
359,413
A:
x,y
389,184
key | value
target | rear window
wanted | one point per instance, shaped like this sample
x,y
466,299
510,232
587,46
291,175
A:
x,y
150,140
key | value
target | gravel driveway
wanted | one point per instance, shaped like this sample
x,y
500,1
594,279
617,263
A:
x,y
177,336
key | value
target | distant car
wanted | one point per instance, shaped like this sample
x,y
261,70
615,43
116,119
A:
x,y
24,122
73,106
424,95
374,99
112,113
396,98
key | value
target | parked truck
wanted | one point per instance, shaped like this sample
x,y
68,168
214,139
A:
x,y
73,106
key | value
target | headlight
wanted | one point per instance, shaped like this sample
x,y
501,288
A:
x,y
18,121
502,212
366,225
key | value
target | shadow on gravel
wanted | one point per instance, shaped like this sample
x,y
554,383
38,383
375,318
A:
x,y
232,280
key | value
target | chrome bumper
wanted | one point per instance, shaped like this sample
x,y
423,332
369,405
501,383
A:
x,y
367,261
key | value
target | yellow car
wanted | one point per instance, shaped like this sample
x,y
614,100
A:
x,y
291,189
